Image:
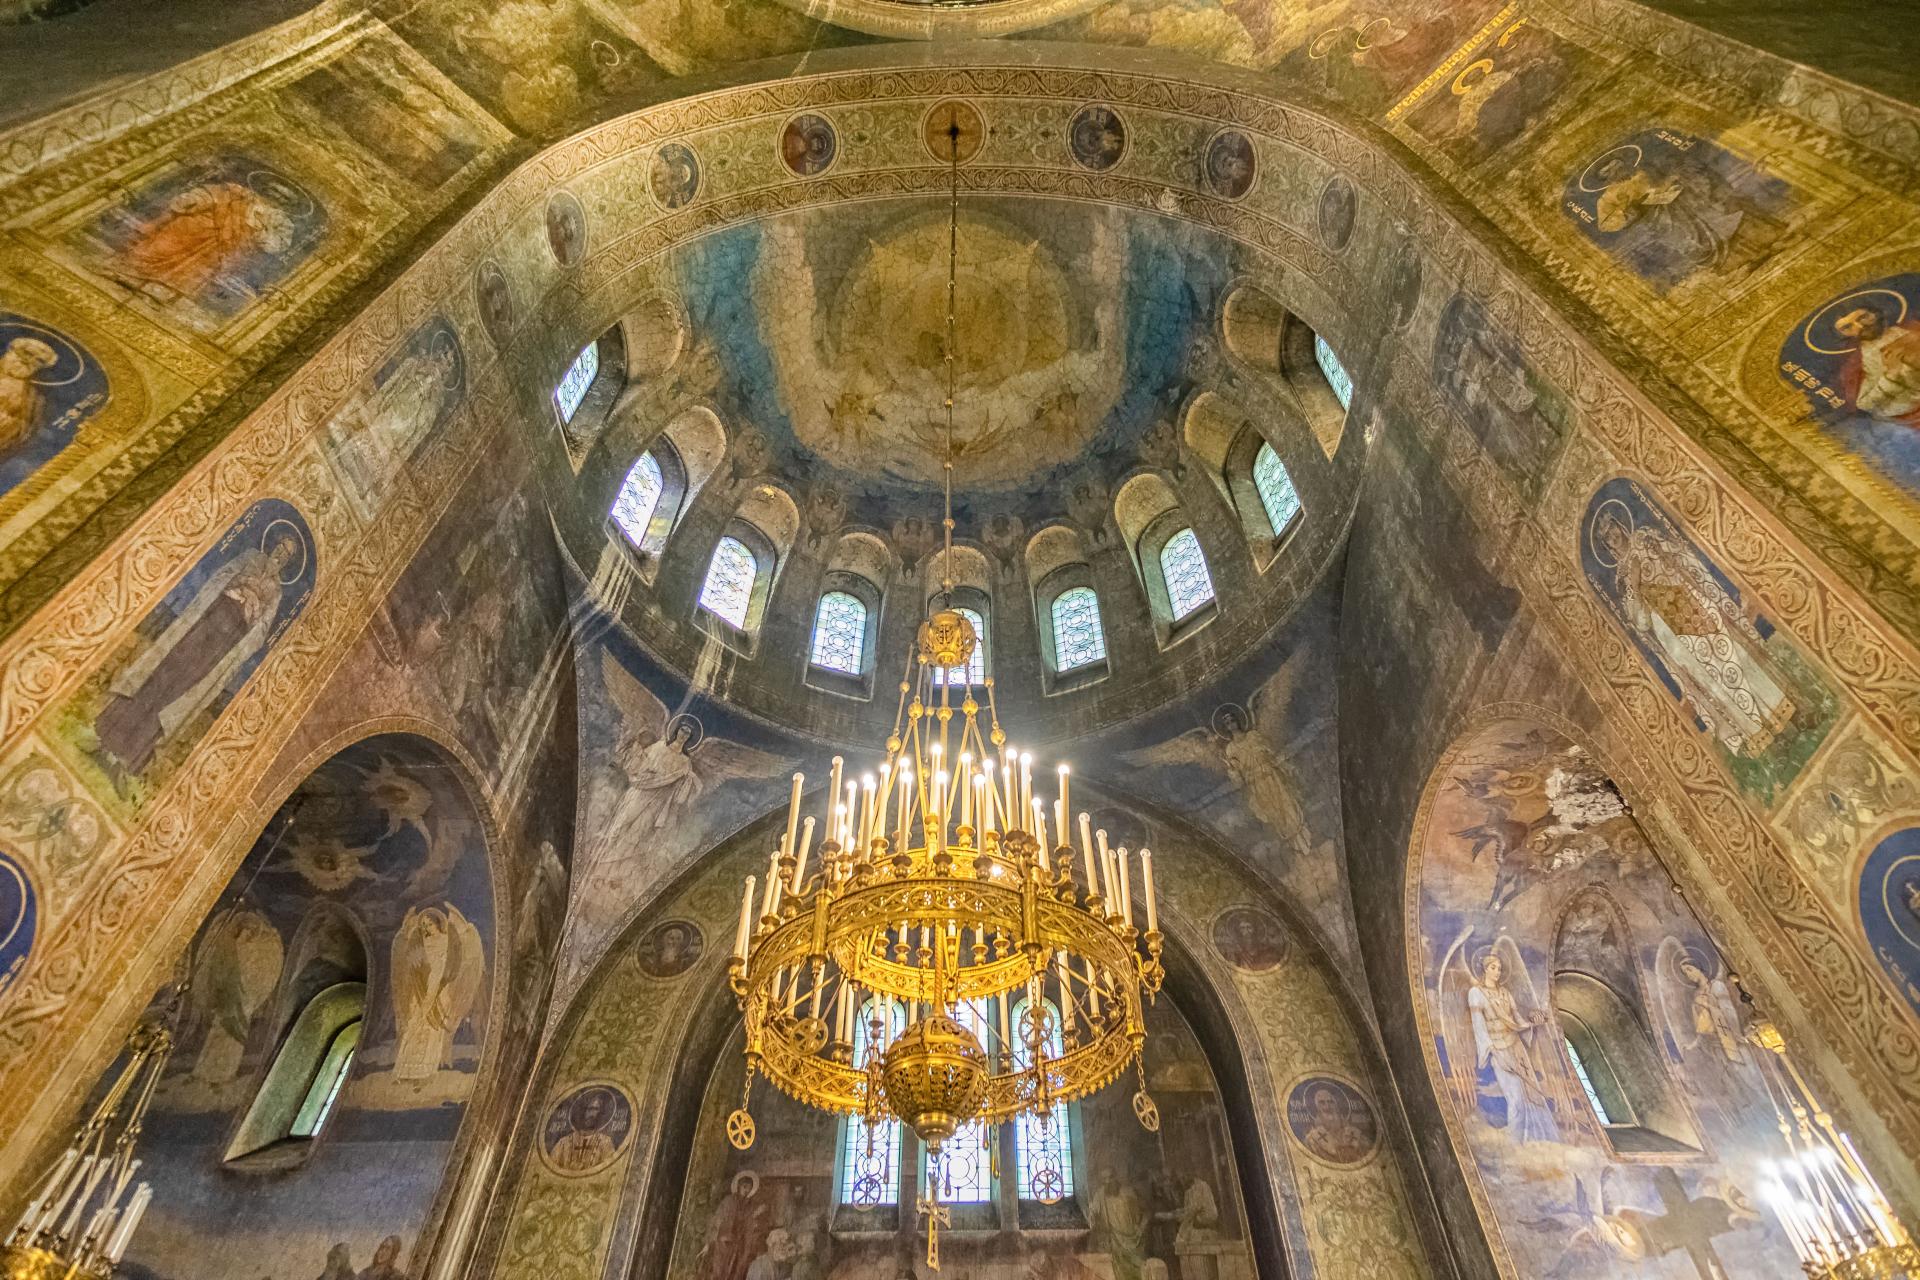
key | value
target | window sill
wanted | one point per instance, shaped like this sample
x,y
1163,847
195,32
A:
x,y
1632,1140
1078,678
839,683
741,642
1191,625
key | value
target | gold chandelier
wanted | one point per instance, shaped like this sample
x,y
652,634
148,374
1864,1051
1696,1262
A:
x,y
949,959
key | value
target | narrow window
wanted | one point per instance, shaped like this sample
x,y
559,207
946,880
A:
x,y
869,1157
1336,372
966,1161
302,1087
975,672
840,633
1275,487
728,589
1189,586
1042,1149
1077,637
639,495
1586,1083
325,1089
575,381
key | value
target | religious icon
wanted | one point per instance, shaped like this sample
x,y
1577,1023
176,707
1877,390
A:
x,y
566,229
1888,902
738,1230
19,919
1371,59
587,1129
808,145
384,422
1230,164
1403,287
1517,415
1250,938
1503,84
673,176
1670,205
1332,1120
1857,361
495,297
439,970
1500,1040
669,949
236,968
49,387
1339,204
1097,138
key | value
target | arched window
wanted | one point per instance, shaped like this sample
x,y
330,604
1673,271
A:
x,y
1275,487
728,589
639,497
839,633
966,1161
573,384
325,1089
1041,1147
975,672
1606,1114
870,1157
1078,640
303,1084
1337,376
1184,565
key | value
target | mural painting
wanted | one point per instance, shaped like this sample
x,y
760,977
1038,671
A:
x,y
1742,682
1888,901
206,239
673,176
50,386
383,423
1332,1120
495,299
566,229
669,949
1502,87
1590,1051
1673,207
1097,138
1338,205
808,145
1229,166
1856,359
1519,417
1250,939
386,106
19,919
47,821
1368,59
1403,293
1142,1205
140,714
587,1129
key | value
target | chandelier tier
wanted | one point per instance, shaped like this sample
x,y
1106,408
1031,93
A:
x,y
949,960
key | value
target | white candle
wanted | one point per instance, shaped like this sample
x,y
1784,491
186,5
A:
x,y
771,901
1146,877
869,792
793,812
848,813
1060,823
964,780
746,918
1026,782
136,1209
1106,866
1126,885
1008,803
1086,850
1040,830
96,1170
1064,807
833,792
30,1220
906,791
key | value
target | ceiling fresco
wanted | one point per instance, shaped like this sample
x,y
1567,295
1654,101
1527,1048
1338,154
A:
x,y
1077,329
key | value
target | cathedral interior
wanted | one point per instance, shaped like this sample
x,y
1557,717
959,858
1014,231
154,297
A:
x,y
1434,476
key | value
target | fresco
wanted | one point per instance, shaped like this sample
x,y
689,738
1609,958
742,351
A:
x,y
47,820
1856,359
374,869
383,423
1504,84
808,145
1144,1205
1338,204
566,228
50,386
1251,939
1673,207
1229,164
384,105
1519,417
19,919
495,298
587,1129
1097,138
1888,902
1332,1120
207,238
1367,58
1743,683
1536,901
669,949
673,176
139,715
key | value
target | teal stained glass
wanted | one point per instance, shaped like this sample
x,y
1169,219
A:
x,y
1275,486
638,498
870,1158
575,381
840,633
1077,637
1337,376
1041,1144
1189,585
728,589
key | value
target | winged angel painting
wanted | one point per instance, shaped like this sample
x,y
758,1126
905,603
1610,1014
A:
x,y
439,964
236,968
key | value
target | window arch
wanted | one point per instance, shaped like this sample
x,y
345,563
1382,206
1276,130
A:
x,y
840,633
1183,566
732,574
1274,485
870,1156
303,1085
571,390
1078,637
639,498
1247,470
1335,372
745,564
1042,1145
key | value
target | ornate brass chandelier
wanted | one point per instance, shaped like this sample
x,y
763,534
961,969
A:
x,y
948,959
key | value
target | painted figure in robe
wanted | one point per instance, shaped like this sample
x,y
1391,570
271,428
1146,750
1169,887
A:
x,y
21,401
1504,1039
1881,375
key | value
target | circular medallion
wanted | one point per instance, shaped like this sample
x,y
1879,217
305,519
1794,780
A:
x,y
953,130
1147,1112
1097,138
1403,287
1332,1120
1250,939
669,949
1229,165
740,1129
1338,205
673,176
587,1129
495,300
808,145
566,229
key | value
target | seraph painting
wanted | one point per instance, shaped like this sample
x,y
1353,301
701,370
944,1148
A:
x,y
1672,207
206,240
1516,413
1743,684
1888,899
1856,359
50,386
132,723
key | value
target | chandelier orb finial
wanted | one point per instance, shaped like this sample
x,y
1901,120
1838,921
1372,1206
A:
x,y
947,640
935,1078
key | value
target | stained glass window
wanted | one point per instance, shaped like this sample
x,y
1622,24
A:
x,y
1336,372
640,493
575,381
975,672
1586,1083
1077,638
325,1089
1042,1149
1185,568
966,1162
728,589
870,1163
1277,493
840,633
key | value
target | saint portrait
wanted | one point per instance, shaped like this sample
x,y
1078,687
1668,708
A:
x,y
1519,417
1672,207
495,299
566,229
1887,900
1741,682
669,949
1403,287
1097,138
50,386
673,175
808,145
1251,939
1856,360
1501,87
1339,204
194,650
383,423
205,240
1332,1120
1230,164
19,919
587,1129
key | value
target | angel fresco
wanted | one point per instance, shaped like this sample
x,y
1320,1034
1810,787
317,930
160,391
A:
x,y
236,969
1491,1005
439,964
1597,1237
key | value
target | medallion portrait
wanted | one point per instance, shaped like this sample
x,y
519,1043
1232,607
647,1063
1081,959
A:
x,y
495,300
49,387
953,131
669,949
205,241
808,145
1403,287
1230,164
1097,138
19,919
673,176
1338,206
1856,361
566,229
1888,902
1250,939
1332,1121
587,1129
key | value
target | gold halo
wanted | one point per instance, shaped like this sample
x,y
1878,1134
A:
x,y
1814,319
1639,154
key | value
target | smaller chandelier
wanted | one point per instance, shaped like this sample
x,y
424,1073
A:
x,y
940,963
